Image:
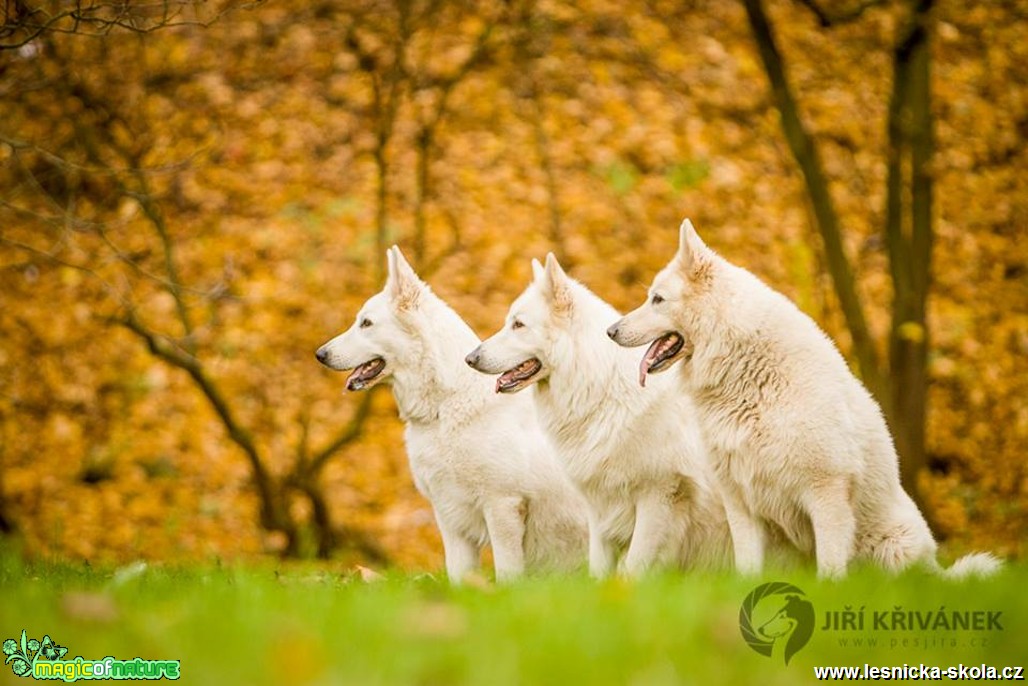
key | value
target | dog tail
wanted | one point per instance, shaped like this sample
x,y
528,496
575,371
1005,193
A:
x,y
973,565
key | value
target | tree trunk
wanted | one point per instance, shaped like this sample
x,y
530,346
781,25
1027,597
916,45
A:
x,y
6,522
804,149
909,237
908,227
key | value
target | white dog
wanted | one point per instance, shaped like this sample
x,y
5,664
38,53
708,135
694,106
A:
x,y
483,463
796,439
635,455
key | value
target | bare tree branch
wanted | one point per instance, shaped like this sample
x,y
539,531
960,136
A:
x,y
52,258
541,139
101,153
350,432
829,18
427,134
165,349
25,21
542,149
804,150
141,193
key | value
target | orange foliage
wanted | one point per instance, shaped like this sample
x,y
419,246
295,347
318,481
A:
x,y
585,128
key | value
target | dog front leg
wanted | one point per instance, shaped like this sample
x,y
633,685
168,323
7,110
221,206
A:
x,y
505,520
747,533
654,515
601,549
831,516
462,554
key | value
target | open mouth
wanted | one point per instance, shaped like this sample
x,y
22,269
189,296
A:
x,y
365,375
517,378
661,354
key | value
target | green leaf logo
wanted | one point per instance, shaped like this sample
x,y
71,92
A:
x,y
23,655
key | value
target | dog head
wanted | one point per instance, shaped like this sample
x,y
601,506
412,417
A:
x,y
519,352
375,344
667,319
778,626
792,625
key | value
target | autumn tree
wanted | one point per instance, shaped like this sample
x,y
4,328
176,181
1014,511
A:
x,y
106,160
399,50
901,384
76,183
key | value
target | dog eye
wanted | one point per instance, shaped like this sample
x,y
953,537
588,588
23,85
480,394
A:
x,y
365,323
657,299
516,324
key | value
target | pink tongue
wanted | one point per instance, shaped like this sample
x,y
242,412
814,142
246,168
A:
x,y
353,382
356,376
502,379
644,364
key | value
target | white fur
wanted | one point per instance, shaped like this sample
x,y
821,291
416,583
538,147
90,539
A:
x,y
635,454
797,440
482,461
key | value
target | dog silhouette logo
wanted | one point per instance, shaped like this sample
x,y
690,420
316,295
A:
x,y
776,619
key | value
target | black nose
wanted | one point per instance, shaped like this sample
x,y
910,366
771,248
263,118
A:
x,y
473,357
321,354
613,332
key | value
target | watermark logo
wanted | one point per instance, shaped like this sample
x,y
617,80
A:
x,y
45,660
776,620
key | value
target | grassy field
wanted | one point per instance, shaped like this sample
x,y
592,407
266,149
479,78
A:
x,y
320,626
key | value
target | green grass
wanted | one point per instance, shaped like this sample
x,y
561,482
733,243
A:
x,y
247,625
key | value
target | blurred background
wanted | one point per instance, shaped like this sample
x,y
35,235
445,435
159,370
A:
x,y
195,195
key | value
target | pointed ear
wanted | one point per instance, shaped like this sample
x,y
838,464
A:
x,y
402,284
537,270
557,286
691,248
